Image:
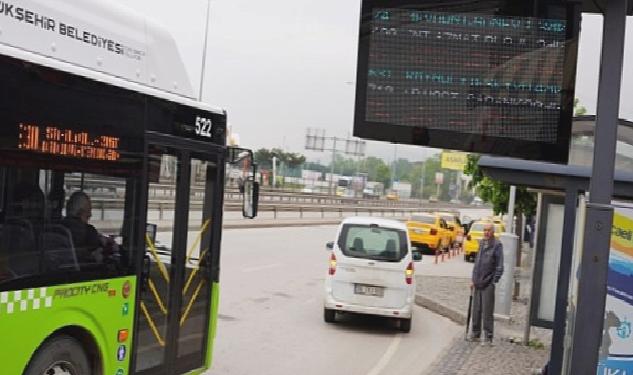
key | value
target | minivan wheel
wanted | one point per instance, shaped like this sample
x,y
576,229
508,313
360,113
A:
x,y
405,325
329,315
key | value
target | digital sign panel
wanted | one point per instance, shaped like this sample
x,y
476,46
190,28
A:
x,y
491,80
64,142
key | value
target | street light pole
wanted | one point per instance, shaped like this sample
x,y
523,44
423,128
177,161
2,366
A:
x,y
204,51
332,168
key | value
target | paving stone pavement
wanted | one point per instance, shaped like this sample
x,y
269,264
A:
x,y
448,296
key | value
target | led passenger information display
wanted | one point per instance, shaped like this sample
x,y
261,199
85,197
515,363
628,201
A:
x,y
65,142
496,78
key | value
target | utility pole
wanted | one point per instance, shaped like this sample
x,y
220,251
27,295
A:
x,y
393,168
422,180
274,171
331,189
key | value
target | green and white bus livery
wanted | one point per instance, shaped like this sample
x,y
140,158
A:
x,y
111,196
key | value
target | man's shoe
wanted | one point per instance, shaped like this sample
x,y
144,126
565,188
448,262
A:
x,y
487,341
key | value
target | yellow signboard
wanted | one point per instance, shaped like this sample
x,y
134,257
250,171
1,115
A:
x,y
454,160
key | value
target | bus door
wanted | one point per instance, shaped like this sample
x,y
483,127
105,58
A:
x,y
184,200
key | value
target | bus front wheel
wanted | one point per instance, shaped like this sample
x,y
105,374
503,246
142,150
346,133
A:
x,y
61,355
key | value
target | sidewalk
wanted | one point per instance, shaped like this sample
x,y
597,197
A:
x,y
444,289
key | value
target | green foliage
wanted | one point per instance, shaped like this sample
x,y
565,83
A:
x,y
377,170
497,192
263,157
579,109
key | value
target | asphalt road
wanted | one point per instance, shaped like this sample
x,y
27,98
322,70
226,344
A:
x,y
271,314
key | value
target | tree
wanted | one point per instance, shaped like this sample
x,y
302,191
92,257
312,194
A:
x,y
497,192
264,158
378,171
294,160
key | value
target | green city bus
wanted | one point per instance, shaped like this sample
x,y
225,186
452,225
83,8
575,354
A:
x,y
111,208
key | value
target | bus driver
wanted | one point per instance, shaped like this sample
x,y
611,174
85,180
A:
x,y
90,246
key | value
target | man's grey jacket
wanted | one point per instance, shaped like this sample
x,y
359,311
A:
x,y
488,264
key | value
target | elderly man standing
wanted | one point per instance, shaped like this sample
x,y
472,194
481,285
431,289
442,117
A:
x,y
487,271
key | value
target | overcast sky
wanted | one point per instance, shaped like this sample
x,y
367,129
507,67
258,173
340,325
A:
x,y
280,66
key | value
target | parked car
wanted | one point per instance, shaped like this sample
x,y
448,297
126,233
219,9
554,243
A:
x,y
475,234
428,232
371,271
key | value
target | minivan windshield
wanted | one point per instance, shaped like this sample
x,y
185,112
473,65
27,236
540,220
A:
x,y
373,242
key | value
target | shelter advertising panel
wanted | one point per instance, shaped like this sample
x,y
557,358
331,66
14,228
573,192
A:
x,y
492,77
616,352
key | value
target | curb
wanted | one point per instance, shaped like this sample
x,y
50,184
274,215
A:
x,y
450,313
438,308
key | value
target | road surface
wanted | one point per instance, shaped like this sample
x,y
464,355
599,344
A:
x,y
271,314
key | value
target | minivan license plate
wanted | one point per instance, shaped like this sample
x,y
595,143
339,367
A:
x,y
369,290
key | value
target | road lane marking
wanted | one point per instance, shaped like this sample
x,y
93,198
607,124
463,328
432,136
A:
x,y
259,268
384,360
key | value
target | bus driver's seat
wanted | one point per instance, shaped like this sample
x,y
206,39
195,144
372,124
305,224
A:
x,y
58,249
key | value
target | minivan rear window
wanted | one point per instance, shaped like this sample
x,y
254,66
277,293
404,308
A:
x,y
373,242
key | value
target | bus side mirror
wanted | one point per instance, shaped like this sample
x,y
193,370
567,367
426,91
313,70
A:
x,y
250,198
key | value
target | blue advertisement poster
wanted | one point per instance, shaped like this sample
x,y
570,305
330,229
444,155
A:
x,y
616,352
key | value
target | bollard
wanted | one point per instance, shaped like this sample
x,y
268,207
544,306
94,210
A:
x,y
448,252
436,255
301,212
274,212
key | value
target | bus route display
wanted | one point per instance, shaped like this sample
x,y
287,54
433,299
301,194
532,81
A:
x,y
64,142
490,83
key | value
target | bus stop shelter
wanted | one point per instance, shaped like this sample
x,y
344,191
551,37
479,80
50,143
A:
x,y
570,182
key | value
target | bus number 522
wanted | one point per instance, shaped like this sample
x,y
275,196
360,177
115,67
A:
x,y
203,126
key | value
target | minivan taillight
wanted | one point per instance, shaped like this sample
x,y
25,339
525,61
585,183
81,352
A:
x,y
408,274
332,269
433,232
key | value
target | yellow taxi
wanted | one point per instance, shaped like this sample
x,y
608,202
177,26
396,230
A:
x,y
475,234
455,228
428,232
392,197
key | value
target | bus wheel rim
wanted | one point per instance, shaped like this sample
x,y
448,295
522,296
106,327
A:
x,y
60,368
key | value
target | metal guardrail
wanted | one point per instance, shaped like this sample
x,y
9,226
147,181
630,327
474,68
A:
x,y
110,188
108,195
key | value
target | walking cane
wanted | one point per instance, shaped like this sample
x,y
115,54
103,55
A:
x,y
470,309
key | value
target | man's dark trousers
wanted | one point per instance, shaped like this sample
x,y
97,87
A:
x,y
483,307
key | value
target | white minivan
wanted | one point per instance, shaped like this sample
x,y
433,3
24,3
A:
x,y
371,271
